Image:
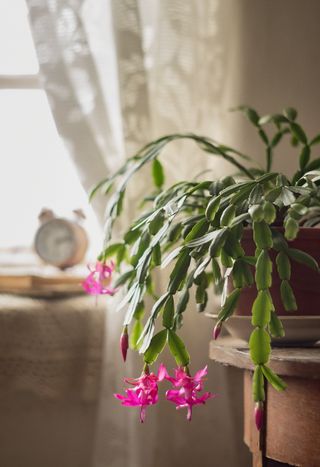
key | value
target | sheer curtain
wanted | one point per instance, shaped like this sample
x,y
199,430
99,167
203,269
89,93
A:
x,y
118,73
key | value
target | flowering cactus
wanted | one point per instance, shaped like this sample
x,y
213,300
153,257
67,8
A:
x,y
99,279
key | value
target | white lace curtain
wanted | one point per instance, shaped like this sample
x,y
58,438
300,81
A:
x,y
120,72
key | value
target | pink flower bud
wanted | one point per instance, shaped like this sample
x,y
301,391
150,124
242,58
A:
x,y
217,330
124,343
258,415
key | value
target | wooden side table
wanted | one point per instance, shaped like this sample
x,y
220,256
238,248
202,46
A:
x,y
291,433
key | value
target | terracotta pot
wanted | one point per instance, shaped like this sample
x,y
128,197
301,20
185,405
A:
x,y
304,281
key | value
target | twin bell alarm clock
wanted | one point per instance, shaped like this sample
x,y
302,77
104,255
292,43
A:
x,y
61,242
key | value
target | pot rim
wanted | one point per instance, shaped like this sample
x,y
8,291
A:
x,y
282,317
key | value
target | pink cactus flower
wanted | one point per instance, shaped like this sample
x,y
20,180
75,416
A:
x,y
188,387
124,343
258,415
99,278
144,392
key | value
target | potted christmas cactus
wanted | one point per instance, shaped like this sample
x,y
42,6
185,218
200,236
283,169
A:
x,y
250,237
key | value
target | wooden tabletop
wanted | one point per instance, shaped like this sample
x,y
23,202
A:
x,y
285,361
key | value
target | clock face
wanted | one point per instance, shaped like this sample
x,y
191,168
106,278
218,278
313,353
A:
x,y
55,242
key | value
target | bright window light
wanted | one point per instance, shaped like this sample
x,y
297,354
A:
x,y
36,170
17,54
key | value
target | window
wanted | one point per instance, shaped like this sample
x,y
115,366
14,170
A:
x,y
36,171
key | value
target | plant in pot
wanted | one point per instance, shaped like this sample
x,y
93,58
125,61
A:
x,y
249,237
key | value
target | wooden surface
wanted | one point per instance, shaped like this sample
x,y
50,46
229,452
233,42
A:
x,y
41,281
291,432
298,362
292,423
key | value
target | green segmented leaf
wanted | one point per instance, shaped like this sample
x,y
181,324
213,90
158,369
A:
x,y
269,212
157,173
168,313
258,385
290,113
121,253
251,260
133,305
275,326
247,274
300,208
216,270
240,219
135,334
171,256
279,243
287,197
263,274
304,157
303,258
217,242
315,140
287,296
174,232
232,246
212,208
276,139
241,274
262,235
112,250
291,228
261,309
104,186
256,194
273,379
210,236
179,271
256,212
156,347
148,330
156,255
226,260
178,349
156,223
202,266
238,278
298,133
229,305
139,248
198,230
227,215
119,203
131,236
250,113
143,267
202,306
294,214
124,278
273,194
265,119
200,293
138,314
183,302
263,136
283,266
259,345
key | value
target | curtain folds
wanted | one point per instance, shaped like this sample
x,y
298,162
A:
x,y
117,74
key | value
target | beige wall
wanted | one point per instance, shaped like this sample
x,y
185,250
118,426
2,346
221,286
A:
x,y
272,61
